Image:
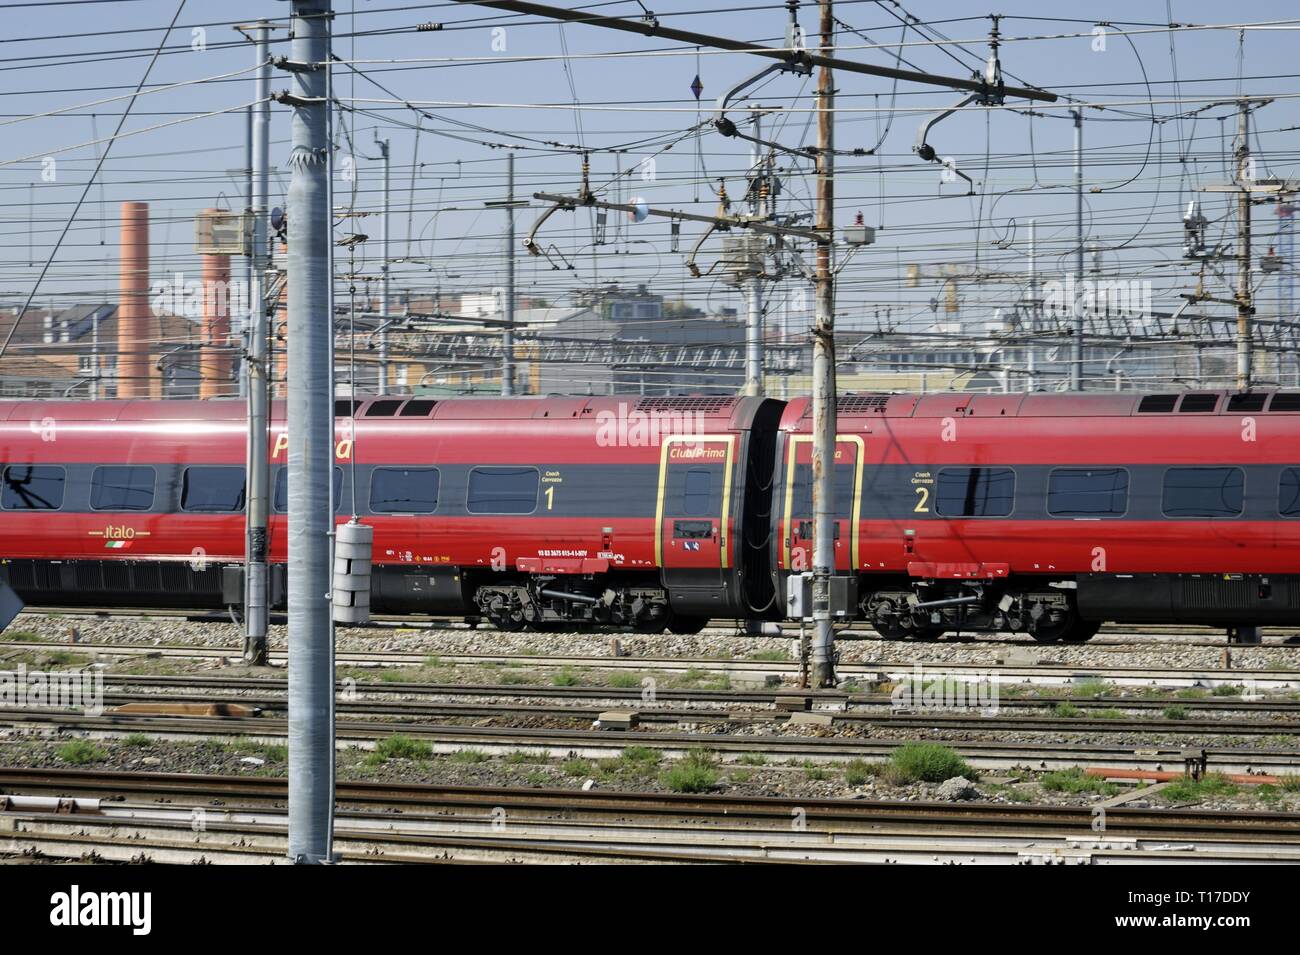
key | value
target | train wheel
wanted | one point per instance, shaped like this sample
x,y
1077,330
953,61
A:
x,y
1069,630
1081,632
926,634
687,626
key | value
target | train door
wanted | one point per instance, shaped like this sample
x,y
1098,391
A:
x,y
797,527
693,541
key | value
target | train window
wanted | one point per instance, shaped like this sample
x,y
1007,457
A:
x,y
384,408
32,487
214,488
1204,492
1288,493
1087,492
1157,403
1248,401
975,492
801,501
502,491
404,490
1198,403
418,408
697,492
121,488
281,499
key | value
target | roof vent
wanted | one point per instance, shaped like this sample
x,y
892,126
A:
x,y
861,404
1153,404
707,404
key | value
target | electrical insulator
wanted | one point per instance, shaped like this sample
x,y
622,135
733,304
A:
x,y
353,546
1194,231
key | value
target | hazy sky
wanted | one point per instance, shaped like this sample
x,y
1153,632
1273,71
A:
x,y
60,55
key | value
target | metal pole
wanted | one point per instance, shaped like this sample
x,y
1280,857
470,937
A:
x,y
241,355
1076,368
754,326
1031,351
1245,300
823,462
256,371
94,355
383,281
508,332
754,337
310,423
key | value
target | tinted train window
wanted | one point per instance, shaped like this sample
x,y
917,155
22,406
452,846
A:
x,y
1288,493
215,489
697,492
404,490
1204,492
801,501
121,488
32,487
975,492
1087,492
502,491
281,499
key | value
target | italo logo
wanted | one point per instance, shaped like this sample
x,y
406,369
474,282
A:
x,y
76,908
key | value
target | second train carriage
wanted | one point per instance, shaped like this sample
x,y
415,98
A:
x,y
1052,513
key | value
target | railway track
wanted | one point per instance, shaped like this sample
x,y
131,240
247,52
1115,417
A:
x,y
186,818
585,743
1043,674
189,685
966,719
1110,634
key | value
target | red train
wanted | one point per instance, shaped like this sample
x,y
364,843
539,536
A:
x,y
1041,513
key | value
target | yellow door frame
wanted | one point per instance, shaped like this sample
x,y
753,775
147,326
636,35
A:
x,y
792,445
666,444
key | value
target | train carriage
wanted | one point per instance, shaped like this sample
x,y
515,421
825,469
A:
x,y
1051,513
529,512
1040,513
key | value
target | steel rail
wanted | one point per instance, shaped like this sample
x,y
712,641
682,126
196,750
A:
x,y
596,743
713,698
1055,673
830,815
970,718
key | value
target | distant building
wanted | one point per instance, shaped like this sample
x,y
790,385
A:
x,y
73,353
610,341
